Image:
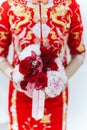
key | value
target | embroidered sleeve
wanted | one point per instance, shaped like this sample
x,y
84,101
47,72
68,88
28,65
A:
x,y
75,38
5,37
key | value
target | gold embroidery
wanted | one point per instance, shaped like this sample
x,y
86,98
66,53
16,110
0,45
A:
x,y
14,123
0,16
36,40
76,35
15,118
80,48
1,49
64,110
54,36
2,35
0,13
44,14
68,2
46,119
13,100
9,126
78,16
36,14
45,41
69,21
29,35
11,17
11,2
36,1
20,12
59,11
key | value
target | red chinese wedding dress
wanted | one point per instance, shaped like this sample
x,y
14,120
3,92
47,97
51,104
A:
x,y
48,22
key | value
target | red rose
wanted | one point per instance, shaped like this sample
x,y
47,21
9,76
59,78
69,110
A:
x,y
46,63
47,60
45,51
24,66
23,84
32,79
50,52
48,56
54,66
45,68
41,80
29,78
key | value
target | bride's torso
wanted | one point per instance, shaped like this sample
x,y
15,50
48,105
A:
x,y
47,23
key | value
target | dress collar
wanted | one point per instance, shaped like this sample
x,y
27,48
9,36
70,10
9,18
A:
x,y
43,1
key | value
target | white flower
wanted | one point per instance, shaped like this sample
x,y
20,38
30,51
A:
x,y
55,85
16,75
56,80
27,51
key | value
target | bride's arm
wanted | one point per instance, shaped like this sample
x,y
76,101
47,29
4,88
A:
x,y
74,65
6,68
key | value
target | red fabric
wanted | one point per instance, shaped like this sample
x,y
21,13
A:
x,y
53,108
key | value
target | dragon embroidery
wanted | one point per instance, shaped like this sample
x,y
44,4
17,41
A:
x,y
23,14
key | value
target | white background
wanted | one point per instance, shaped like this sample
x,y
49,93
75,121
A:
x,y
77,110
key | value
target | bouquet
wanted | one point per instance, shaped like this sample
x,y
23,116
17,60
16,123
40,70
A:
x,y
39,72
